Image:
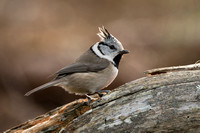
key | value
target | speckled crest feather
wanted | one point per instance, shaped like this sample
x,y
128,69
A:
x,y
104,34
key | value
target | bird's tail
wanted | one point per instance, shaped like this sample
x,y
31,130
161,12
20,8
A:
x,y
44,86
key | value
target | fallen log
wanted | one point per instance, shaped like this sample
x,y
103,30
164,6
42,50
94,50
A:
x,y
166,101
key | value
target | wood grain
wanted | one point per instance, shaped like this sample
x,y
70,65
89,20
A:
x,y
167,102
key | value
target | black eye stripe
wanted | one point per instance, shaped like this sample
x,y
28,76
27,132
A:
x,y
110,46
100,49
102,43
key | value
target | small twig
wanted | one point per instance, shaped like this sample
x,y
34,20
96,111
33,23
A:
x,y
174,68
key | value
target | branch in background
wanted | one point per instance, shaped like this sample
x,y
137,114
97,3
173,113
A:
x,y
174,68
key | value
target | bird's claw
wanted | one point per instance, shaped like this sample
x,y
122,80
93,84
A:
x,y
101,92
89,99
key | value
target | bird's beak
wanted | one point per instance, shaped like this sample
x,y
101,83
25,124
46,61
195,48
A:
x,y
123,52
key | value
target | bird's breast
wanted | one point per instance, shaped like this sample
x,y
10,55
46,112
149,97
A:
x,y
90,82
109,74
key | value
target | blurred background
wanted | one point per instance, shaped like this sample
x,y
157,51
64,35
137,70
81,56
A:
x,y
37,38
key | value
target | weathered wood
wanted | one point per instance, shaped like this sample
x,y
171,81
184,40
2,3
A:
x,y
195,66
168,102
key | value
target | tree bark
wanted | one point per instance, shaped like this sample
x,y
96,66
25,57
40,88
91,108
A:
x,y
164,102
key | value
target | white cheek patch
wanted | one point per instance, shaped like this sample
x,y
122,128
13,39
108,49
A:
x,y
98,53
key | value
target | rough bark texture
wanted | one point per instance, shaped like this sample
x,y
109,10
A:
x,y
167,102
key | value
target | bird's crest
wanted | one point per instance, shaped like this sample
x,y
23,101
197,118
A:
x,y
104,34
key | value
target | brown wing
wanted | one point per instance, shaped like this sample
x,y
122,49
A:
x,y
88,62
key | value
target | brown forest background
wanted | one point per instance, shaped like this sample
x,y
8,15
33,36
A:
x,y
39,37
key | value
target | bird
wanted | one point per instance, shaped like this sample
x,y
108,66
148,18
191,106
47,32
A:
x,y
93,70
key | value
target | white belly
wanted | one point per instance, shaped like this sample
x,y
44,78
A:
x,y
85,83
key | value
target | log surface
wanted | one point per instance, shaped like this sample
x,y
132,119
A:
x,y
167,102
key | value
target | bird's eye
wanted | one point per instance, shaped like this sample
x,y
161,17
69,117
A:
x,y
112,47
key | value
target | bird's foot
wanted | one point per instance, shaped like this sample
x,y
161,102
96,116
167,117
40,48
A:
x,y
102,92
89,99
